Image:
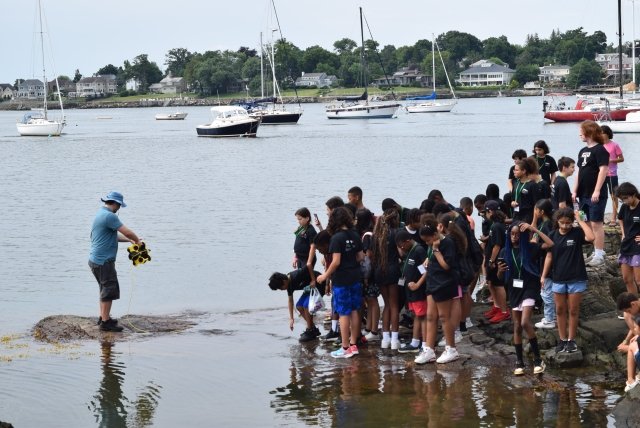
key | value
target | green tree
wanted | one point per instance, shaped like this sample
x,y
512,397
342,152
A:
x,y
527,73
176,60
314,55
109,69
441,78
145,71
584,72
77,76
459,44
499,47
344,46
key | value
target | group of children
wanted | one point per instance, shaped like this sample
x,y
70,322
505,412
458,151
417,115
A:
x,y
427,260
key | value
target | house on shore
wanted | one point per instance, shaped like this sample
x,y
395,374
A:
x,y
610,63
97,86
486,73
6,91
406,76
31,89
169,85
319,80
551,74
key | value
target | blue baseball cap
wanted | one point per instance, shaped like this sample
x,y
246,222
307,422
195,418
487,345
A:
x,y
115,197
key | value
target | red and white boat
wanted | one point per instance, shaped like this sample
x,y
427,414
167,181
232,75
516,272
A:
x,y
588,108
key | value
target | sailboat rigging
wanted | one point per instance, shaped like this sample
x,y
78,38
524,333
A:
x,y
37,123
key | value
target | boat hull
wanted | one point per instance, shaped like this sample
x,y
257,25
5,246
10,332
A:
x,y
172,116
363,111
582,115
277,117
40,128
431,107
242,129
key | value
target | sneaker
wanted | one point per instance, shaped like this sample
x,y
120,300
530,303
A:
x,y
596,261
307,336
468,322
629,386
332,336
386,343
457,336
371,336
343,353
589,257
425,356
544,323
621,317
571,346
449,354
501,316
110,325
406,322
538,367
561,346
519,370
492,312
395,345
408,347
354,349
316,331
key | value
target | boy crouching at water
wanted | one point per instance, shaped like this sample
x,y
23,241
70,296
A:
x,y
297,280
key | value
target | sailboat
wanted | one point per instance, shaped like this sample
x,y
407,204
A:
x,y
37,123
430,105
275,112
359,107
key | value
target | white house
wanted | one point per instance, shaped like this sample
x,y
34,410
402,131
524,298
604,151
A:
x,y
31,89
553,73
319,80
98,86
610,63
6,91
486,73
169,85
404,77
133,85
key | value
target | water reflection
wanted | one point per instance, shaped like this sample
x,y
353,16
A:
x,y
110,406
378,389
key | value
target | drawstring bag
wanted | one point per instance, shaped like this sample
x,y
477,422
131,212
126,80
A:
x,y
315,301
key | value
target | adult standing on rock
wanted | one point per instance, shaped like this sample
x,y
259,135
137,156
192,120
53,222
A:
x,y
107,230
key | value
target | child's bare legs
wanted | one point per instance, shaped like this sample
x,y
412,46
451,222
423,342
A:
x,y
631,277
561,314
304,313
373,314
431,320
345,328
456,312
445,315
417,327
391,311
574,313
355,327
631,361
500,298
526,323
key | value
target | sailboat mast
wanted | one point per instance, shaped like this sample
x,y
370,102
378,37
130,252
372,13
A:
x,y
273,63
433,60
620,44
261,67
363,61
44,73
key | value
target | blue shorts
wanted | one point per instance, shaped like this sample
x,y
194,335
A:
x,y
347,298
303,301
637,358
593,210
569,287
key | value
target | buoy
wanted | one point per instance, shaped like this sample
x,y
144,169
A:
x,y
519,101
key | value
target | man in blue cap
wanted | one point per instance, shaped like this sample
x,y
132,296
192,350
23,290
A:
x,y
102,259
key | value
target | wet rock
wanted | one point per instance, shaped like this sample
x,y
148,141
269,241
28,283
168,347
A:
x,y
481,339
626,410
5,425
61,328
564,360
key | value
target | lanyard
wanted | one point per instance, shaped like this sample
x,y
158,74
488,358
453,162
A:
x,y
515,262
519,188
404,268
540,165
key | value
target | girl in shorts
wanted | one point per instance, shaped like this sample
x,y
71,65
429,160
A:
x,y
364,226
442,287
344,271
303,249
629,219
565,264
495,243
519,265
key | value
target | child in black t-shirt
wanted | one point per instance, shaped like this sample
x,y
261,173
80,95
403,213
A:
x,y
525,190
303,251
560,191
364,226
565,264
629,219
298,280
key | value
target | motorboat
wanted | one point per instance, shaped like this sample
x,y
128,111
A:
x,y
587,108
271,115
428,103
37,122
229,121
360,107
171,116
631,124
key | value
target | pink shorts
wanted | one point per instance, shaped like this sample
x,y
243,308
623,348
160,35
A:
x,y
419,308
525,303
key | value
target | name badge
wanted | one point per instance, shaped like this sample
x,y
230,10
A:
x,y
422,269
401,282
518,283
516,209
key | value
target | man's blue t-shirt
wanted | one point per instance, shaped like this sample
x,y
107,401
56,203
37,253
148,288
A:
x,y
104,236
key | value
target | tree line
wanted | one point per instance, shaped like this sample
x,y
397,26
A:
x,y
221,72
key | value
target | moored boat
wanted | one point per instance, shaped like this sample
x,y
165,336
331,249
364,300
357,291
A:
x,y
171,116
631,124
229,121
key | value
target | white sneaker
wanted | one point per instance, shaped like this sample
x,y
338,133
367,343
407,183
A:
x,y
457,337
629,386
544,323
371,337
589,257
395,345
425,356
596,261
449,354
468,322
386,343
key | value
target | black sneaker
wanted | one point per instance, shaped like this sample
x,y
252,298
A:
x,y
307,336
571,346
316,331
332,336
110,325
408,348
562,346
110,319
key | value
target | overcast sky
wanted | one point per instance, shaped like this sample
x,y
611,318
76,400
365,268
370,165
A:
x,y
89,34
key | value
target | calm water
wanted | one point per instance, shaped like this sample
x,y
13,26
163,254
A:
x,y
218,217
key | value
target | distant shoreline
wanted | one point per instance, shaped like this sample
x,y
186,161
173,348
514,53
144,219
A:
x,y
19,105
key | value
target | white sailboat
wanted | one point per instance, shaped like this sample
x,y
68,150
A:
x,y
36,122
430,105
359,107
